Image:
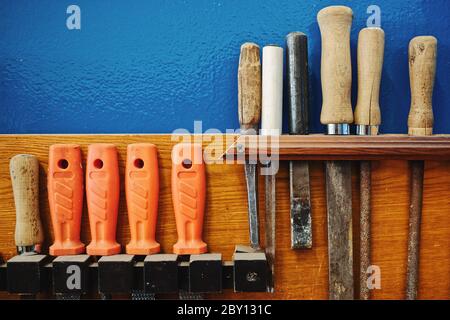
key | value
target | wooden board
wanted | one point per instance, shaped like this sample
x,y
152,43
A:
x,y
300,274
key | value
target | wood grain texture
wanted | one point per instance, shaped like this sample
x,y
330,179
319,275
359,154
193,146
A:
x,y
336,67
422,69
249,86
370,64
334,147
299,274
24,174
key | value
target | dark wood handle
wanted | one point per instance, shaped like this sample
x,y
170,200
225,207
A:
x,y
298,90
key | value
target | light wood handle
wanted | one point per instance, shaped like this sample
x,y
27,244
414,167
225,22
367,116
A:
x,y
336,67
272,90
422,69
370,64
24,170
249,86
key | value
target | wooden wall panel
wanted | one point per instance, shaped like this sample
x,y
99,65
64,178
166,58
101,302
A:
x,y
299,274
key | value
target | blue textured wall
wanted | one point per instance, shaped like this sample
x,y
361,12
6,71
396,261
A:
x,y
154,66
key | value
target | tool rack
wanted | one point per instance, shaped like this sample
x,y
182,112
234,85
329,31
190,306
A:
x,y
227,223
123,274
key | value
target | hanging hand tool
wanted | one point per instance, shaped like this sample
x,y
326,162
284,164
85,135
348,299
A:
x,y
24,170
24,276
271,124
249,103
336,77
102,194
142,193
188,197
422,70
367,120
65,196
298,99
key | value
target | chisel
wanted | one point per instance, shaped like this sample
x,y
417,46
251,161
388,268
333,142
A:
x,y
249,104
142,192
24,171
336,77
188,198
367,120
298,102
422,70
65,196
271,124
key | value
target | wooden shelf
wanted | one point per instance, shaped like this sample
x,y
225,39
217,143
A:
x,y
325,147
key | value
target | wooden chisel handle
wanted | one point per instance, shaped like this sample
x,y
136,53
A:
x,y
65,197
24,170
370,64
249,87
422,70
142,192
336,67
102,194
188,197
298,87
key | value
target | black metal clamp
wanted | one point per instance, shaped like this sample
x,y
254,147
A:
x,y
122,273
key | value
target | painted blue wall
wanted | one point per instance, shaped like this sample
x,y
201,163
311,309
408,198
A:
x,y
154,66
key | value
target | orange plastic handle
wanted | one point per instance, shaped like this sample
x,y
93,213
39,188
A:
x,y
65,197
142,192
102,193
188,196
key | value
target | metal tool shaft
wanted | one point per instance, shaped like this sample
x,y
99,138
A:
x,y
270,196
365,203
415,213
252,191
301,226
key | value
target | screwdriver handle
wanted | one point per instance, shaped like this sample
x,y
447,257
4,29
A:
x,y
336,67
272,90
102,193
422,70
24,170
142,192
65,197
188,197
298,87
249,86
370,64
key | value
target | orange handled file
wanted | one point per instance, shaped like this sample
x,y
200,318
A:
x,y
65,197
102,193
142,192
188,196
